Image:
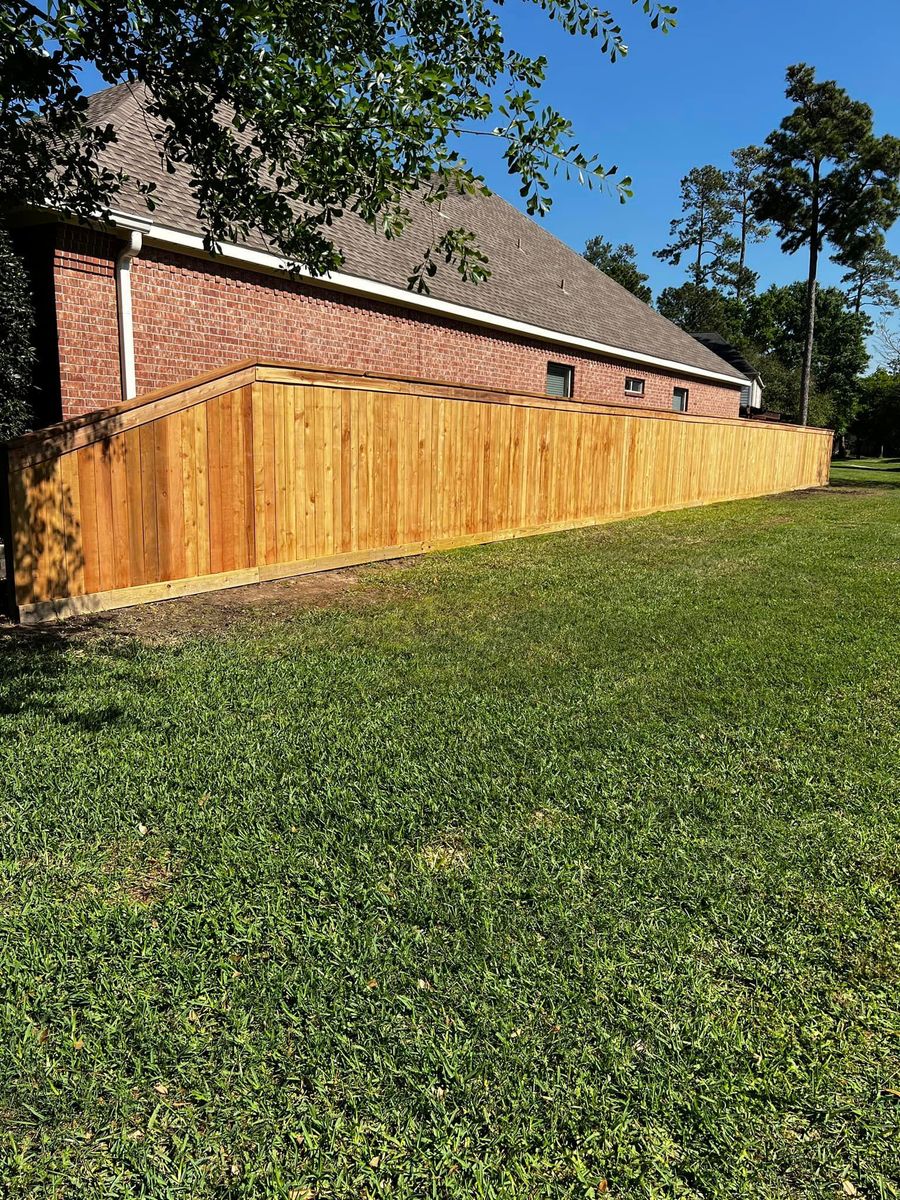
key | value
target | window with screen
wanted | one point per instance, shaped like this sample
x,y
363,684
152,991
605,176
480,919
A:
x,y
633,386
680,399
559,379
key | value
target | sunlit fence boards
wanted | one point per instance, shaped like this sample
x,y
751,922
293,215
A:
x,y
265,471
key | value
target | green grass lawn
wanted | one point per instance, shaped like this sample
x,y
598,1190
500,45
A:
x,y
559,867
867,472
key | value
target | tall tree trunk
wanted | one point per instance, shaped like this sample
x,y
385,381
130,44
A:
x,y
739,282
810,301
811,287
701,236
857,306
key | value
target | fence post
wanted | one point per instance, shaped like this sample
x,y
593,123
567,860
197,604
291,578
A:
x,y
8,583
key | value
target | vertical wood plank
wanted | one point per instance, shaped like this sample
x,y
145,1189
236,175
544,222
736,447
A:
x,y
368,511
228,481
378,469
88,493
247,476
271,475
215,503
71,503
260,513
163,499
309,473
362,426
150,539
189,457
106,545
285,479
43,493
349,456
330,456
276,472
22,537
177,555
391,469
201,480
134,481
118,467
318,471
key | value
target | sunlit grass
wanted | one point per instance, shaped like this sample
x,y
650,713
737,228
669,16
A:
x,y
559,867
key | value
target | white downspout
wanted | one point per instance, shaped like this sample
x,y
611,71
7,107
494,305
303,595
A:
x,y
126,322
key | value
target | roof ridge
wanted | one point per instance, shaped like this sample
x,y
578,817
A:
x,y
550,285
110,98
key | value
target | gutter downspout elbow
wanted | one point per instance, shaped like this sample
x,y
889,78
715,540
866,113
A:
x,y
126,322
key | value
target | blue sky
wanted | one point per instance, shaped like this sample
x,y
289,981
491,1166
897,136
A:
x,y
677,101
715,83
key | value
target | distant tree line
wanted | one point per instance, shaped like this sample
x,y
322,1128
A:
x,y
823,179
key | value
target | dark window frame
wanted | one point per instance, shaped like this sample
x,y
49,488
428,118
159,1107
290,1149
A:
x,y
685,395
566,372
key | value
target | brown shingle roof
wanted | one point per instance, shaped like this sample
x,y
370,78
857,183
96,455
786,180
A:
x,y
535,278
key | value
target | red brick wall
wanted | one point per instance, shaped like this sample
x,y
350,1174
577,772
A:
x,y
87,327
192,316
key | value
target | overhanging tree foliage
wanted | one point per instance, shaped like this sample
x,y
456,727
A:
x,y
619,263
291,112
825,177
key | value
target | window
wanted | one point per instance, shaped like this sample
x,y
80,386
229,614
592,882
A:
x,y
559,379
680,399
633,386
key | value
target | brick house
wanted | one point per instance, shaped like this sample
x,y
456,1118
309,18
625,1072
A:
x,y
136,304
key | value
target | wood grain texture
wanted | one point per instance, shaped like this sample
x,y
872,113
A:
x,y
279,470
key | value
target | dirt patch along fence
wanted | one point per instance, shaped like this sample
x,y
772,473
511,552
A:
x,y
264,471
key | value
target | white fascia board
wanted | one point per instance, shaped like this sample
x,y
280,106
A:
x,y
170,238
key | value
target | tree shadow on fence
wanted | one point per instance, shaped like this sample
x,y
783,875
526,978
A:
x,y
41,532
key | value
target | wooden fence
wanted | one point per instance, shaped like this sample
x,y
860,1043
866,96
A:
x,y
262,472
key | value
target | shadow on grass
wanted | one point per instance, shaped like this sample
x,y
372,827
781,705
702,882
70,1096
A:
x,y
885,474
39,669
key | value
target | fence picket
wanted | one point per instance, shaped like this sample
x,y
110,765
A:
x,y
295,469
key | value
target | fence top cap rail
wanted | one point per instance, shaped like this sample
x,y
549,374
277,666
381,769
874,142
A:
x,y
236,374
265,368
113,410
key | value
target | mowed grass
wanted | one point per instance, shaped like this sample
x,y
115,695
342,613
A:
x,y
867,472
565,867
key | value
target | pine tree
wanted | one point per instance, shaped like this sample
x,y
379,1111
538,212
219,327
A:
x,y
825,176
619,263
741,183
872,270
702,230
